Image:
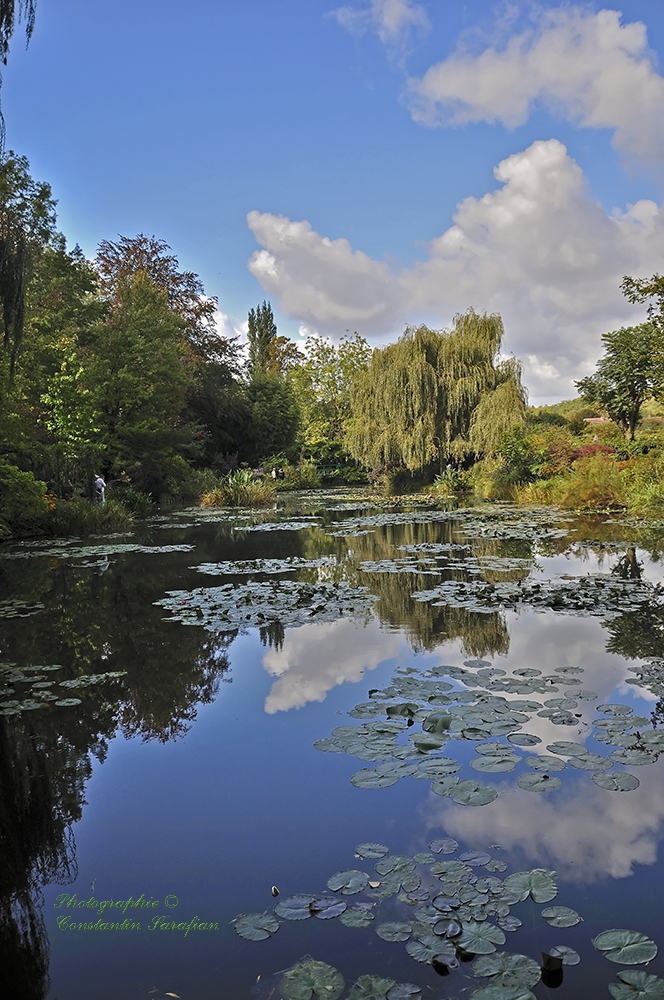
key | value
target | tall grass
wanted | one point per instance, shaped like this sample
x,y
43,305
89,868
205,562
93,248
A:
x,y
83,517
240,489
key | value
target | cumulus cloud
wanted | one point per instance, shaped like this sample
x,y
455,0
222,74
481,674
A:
x,y
539,250
394,21
316,658
587,67
228,327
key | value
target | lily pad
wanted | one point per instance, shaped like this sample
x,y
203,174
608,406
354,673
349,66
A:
x,y
637,985
357,917
567,749
633,757
523,739
626,947
326,907
617,781
494,765
476,859
309,980
394,931
350,882
545,762
496,991
444,845
470,793
560,916
255,926
371,988
427,947
404,991
537,884
294,907
507,969
480,938
368,778
568,955
66,702
372,850
538,782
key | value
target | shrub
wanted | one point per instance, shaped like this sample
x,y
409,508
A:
x,y
23,501
453,483
592,482
240,489
85,517
138,503
301,477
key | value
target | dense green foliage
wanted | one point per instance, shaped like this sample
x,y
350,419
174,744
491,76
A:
x,y
436,396
631,371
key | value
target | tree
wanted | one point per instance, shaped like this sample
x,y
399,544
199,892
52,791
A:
x,y
269,354
323,381
436,396
274,417
631,371
639,290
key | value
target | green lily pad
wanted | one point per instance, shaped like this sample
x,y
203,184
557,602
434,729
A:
x,y
294,907
617,781
497,991
538,782
545,762
637,985
537,884
255,926
394,931
367,778
470,793
523,739
507,969
372,850
591,762
567,749
326,907
494,765
476,859
371,988
357,917
479,938
560,916
444,845
626,947
350,882
568,955
633,757
308,980
427,946
404,991
67,702
509,922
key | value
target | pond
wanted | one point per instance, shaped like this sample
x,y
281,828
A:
x,y
339,749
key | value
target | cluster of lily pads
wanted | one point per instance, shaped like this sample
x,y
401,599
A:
x,y
14,607
480,713
272,566
460,914
289,603
529,524
67,549
37,688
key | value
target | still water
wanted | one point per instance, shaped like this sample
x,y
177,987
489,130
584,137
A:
x,y
161,755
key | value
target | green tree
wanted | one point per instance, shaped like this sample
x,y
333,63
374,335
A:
x,y
269,354
323,382
274,417
436,396
631,371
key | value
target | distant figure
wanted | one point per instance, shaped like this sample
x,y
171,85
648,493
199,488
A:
x,y
100,489
282,474
274,473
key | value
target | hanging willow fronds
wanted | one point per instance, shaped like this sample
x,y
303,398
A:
x,y
11,13
436,395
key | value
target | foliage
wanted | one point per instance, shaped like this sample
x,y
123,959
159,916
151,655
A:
x,y
435,396
453,482
274,417
84,517
631,371
138,503
591,483
323,382
240,489
521,460
296,477
269,354
23,502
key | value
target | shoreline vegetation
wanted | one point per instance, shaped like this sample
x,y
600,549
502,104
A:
x,y
113,366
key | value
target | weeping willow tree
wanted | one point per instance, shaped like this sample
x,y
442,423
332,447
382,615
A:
x,y
436,396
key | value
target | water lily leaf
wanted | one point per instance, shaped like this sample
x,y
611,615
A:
x,y
567,749
372,850
591,762
427,947
255,926
66,702
350,882
494,765
568,955
626,947
508,922
427,915
437,722
538,782
326,907
633,757
497,991
295,907
480,938
444,845
618,781
523,739
357,917
470,793
637,985
403,991
508,969
424,858
371,988
537,884
615,709
393,863
308,980
493,749
560,916
545,762
394,931
437,767
367,778
476,859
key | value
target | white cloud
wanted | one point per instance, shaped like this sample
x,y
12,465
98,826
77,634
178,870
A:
x,y
394,21
227,326
539,250
587,67
316,658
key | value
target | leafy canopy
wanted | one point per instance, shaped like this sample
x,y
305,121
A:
x,y
436,396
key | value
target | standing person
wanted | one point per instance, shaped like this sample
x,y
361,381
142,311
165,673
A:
x,y
100,489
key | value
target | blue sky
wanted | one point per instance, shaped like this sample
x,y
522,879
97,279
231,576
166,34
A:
x,y
399,160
